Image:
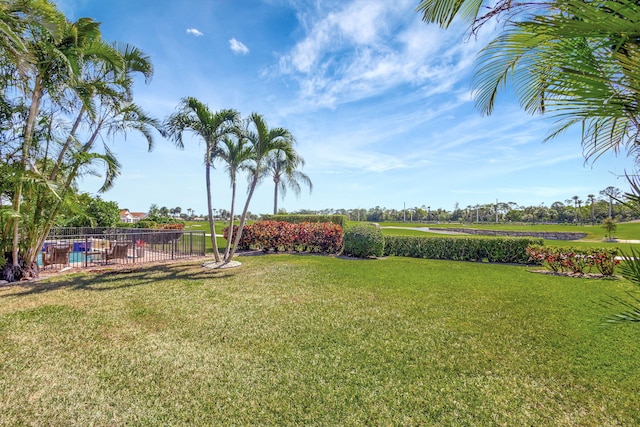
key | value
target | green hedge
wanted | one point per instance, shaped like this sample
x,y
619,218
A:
x,y
500,250
363,241
341,220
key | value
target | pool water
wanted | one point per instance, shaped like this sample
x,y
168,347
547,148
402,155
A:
x,y
74,257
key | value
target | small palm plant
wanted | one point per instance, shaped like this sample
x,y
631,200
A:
x,y
630,267
610,226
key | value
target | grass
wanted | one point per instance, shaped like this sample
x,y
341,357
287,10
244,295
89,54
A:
x,y
204,226
300,340
624,231
624,247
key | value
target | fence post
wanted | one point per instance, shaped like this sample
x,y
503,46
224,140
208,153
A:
x,y
86,251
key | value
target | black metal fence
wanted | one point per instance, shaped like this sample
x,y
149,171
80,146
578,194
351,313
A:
x,y
85,247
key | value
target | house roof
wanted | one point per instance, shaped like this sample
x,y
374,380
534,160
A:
x,y
127,212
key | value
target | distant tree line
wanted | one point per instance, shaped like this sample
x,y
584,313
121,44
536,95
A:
x,y
574,210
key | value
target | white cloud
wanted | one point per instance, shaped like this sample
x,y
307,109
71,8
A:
x,y
360,52
194,32
238,47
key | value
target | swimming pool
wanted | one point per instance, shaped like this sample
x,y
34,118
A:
x,y
74,257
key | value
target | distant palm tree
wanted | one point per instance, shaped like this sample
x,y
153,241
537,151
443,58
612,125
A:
x,y
575,207
262,142
612,193
592,199
285,173
579,202
194,116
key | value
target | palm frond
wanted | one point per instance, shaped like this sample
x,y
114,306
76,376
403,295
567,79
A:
x,y
631,307
444,12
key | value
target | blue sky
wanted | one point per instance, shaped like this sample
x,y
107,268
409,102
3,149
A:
x,y
379,102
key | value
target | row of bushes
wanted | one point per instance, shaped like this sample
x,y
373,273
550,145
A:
x,y
575,260
368,241
510,250
340,220
278,236
150,224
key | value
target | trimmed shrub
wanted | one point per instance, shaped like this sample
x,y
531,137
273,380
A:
x,y
340,220
283,236
499,250
145,223
363,241
125,225
324,238
170,226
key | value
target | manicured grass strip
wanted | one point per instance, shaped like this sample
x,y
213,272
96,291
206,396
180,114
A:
x,y
309,340
624,231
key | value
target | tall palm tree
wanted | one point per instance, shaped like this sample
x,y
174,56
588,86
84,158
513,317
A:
x,y
211,127
575,207
285,174
592,198
612,193
235,154
262,142
104,93
60,52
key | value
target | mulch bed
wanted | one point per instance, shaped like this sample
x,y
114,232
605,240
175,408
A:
x,y
576,275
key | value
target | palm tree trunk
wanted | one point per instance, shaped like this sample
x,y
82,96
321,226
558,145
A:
x,y
230,234
214,242
29,127
236,240
37,240
275,198
67,143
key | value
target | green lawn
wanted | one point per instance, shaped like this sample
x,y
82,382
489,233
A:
x,y
577,243
595,233
311,340
624,231
204,226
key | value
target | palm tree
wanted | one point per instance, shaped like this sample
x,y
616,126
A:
x,y
592,198
565,57
262,142
285,173
212,127
235,153
612,193
71,67
104,89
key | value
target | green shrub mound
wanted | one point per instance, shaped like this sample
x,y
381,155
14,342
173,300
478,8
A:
x,y
499,250
363,241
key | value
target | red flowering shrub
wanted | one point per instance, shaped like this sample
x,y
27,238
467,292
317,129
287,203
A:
x,y
170,226
318,237
575,260
284,236
245,240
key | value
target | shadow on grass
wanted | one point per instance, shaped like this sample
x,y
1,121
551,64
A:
x,y
112,279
